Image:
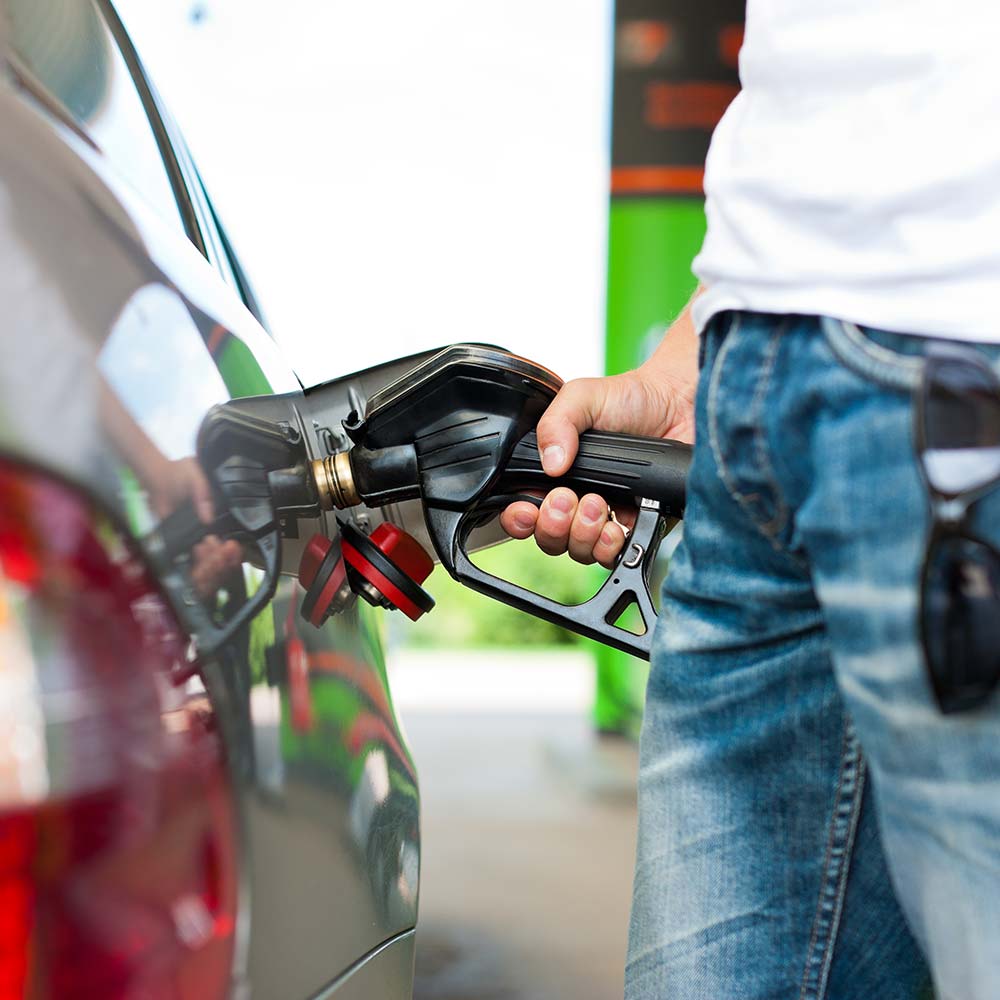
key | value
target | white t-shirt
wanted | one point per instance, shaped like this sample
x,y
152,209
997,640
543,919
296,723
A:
x,y
857,174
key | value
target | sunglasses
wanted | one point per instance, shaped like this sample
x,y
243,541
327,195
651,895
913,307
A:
x,y
957,416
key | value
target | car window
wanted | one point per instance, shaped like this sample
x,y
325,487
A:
x,y
67,48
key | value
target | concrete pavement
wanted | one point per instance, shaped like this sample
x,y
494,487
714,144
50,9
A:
x,y
528,828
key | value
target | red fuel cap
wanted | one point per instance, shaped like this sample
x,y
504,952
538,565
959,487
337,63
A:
x,y
404,550
386,568
393,563
323,574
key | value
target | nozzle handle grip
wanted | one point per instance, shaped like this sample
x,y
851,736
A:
x,y
181,530
169,546
620,467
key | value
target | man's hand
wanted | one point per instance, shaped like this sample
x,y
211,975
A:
x,y
655,400
213,561
171,483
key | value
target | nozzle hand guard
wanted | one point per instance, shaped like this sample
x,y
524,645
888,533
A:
x,y
596,618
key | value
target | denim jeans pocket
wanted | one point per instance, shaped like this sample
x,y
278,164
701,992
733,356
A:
x,y
712,337
894,360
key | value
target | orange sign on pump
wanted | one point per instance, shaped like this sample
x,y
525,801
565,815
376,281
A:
x,y
675,75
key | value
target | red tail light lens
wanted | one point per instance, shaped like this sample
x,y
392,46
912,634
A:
x,y
117,831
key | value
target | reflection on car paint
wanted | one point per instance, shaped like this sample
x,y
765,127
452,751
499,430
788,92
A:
x,y
120,851
69,51
351,739
153,333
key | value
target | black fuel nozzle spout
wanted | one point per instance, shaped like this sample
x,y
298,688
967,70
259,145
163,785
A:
x,y
373,476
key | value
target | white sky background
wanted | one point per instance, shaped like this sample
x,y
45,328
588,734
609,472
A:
x,y
402,174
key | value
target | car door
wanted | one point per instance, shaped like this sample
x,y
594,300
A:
x,y
132,328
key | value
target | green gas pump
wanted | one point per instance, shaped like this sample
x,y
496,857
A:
x,y
675,72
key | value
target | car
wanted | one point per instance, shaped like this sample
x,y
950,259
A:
x,y
201,794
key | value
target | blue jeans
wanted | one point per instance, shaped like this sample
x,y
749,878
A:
x,y
810,825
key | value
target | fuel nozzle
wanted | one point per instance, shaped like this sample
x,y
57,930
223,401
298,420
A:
x,y
457,432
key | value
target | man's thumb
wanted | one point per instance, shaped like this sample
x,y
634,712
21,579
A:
x,y
559,430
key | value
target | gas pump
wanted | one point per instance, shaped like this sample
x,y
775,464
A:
x,y
675,72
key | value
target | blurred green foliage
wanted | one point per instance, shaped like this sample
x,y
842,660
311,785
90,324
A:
x,y
463,618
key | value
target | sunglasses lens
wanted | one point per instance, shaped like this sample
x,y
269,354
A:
x,y
960,424
961,622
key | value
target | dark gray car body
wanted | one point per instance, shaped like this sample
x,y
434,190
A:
x,y
104,295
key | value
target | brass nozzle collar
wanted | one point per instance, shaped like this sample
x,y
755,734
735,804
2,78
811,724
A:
x,y
335,481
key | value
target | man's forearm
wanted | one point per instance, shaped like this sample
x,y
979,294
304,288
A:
x,y
676,356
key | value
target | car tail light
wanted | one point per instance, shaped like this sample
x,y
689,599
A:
x,y
118,863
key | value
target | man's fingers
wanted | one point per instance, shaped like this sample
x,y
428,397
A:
x,y
591,516
213,561
519,519
554,521
582,527
567,417
609,544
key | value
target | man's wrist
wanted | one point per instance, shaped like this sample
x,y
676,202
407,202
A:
x,y
675,359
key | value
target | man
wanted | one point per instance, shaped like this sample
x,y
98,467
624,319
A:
x,y
811,823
